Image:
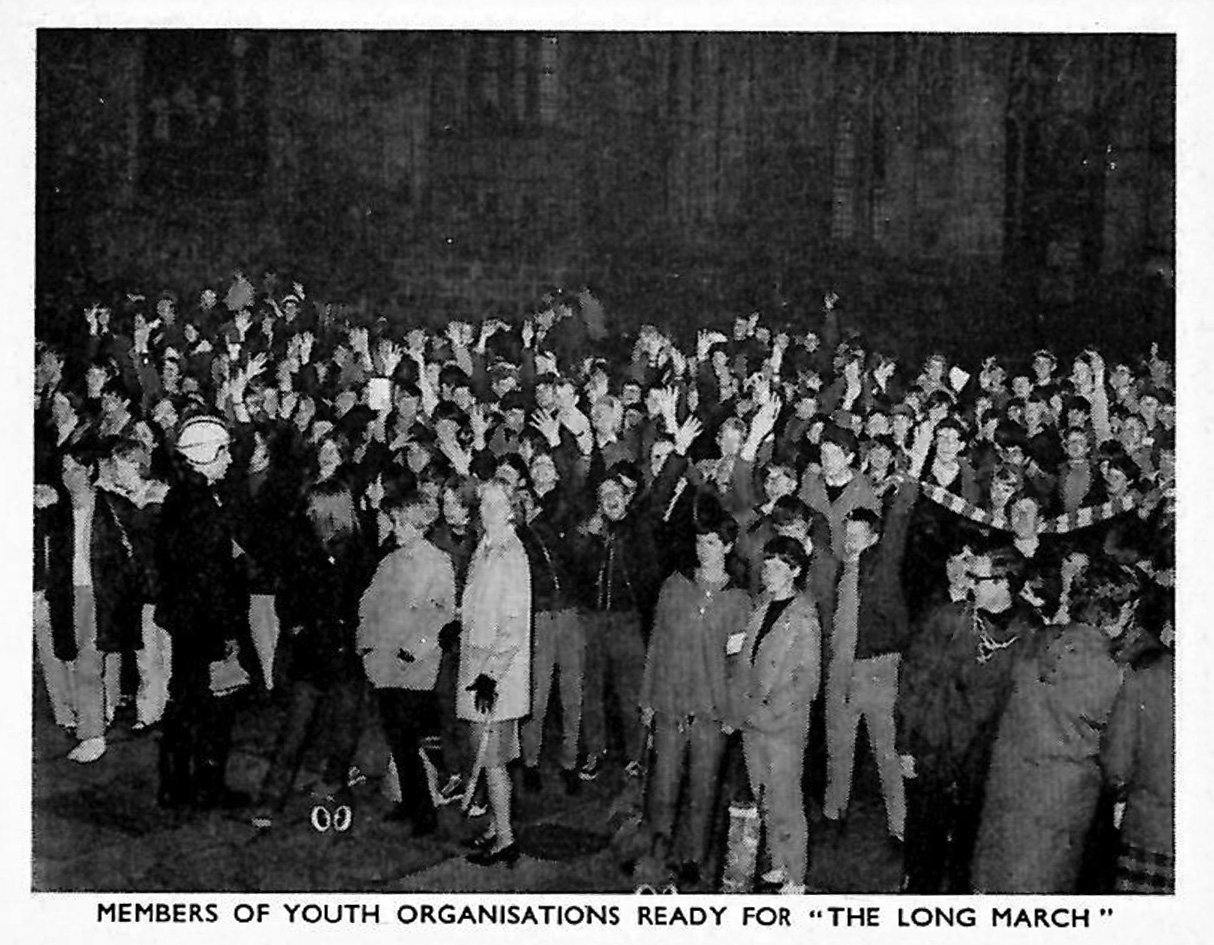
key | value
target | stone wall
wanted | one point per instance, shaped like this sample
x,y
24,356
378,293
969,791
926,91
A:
x,y
688,174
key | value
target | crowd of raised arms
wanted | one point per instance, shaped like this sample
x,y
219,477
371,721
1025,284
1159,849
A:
x,y
753,540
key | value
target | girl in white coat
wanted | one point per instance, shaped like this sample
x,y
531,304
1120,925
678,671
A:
x,y
494,689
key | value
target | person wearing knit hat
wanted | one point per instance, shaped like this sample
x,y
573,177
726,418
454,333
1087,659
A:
x,y
204,606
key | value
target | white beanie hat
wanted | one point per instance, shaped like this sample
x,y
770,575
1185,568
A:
x,y
201,438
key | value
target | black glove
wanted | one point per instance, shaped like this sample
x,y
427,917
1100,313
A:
x,y
405,656
485,690
449,636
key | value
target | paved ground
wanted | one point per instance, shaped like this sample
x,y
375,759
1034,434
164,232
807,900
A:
x,y
97,828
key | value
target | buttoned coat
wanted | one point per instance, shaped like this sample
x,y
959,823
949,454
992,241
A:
x,y
775,682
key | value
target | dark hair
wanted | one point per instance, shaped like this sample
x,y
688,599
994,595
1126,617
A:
x,y
722,524
951,423
1006,561
330,510
115,386
446,410
453,376
841,437
625,469
788,509
397,482
1126,466
402,498
1009,434
126,446
515,462
867,517
788,550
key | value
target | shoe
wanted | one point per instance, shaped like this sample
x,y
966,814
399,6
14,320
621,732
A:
x,y
507,854
573,783
262,821
590,770
776,877
483,841
477,810
88,750
532,782
633,769
792,889
399,814
895,845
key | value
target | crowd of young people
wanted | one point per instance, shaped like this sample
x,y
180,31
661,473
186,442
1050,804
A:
x,y
735,547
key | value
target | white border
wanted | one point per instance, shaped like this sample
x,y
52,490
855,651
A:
x,y
46,917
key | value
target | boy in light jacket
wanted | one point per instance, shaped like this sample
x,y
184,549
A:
x,y
411,598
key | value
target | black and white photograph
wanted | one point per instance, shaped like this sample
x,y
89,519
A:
x,y
604,461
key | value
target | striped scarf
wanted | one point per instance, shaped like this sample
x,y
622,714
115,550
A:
x,y
1069,522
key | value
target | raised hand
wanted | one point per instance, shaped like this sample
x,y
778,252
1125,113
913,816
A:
x,y
549,426
306,341
91,316
478,422
764,420
686,434
389,355
257,365
143,333
528,333
677,361
830,300
415,343
243,320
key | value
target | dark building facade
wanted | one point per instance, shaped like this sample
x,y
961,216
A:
x,y
449,173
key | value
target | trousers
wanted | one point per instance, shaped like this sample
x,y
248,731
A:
x,y
869,694
154,660
95,676
263,627
410,715
697,748
56,674
558,645
345,698
775,763
196,736
615,650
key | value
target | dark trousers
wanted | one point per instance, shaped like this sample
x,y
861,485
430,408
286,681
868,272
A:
x,y
197,732
343,698
696,749
615,649
410,715
457,758
943,813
